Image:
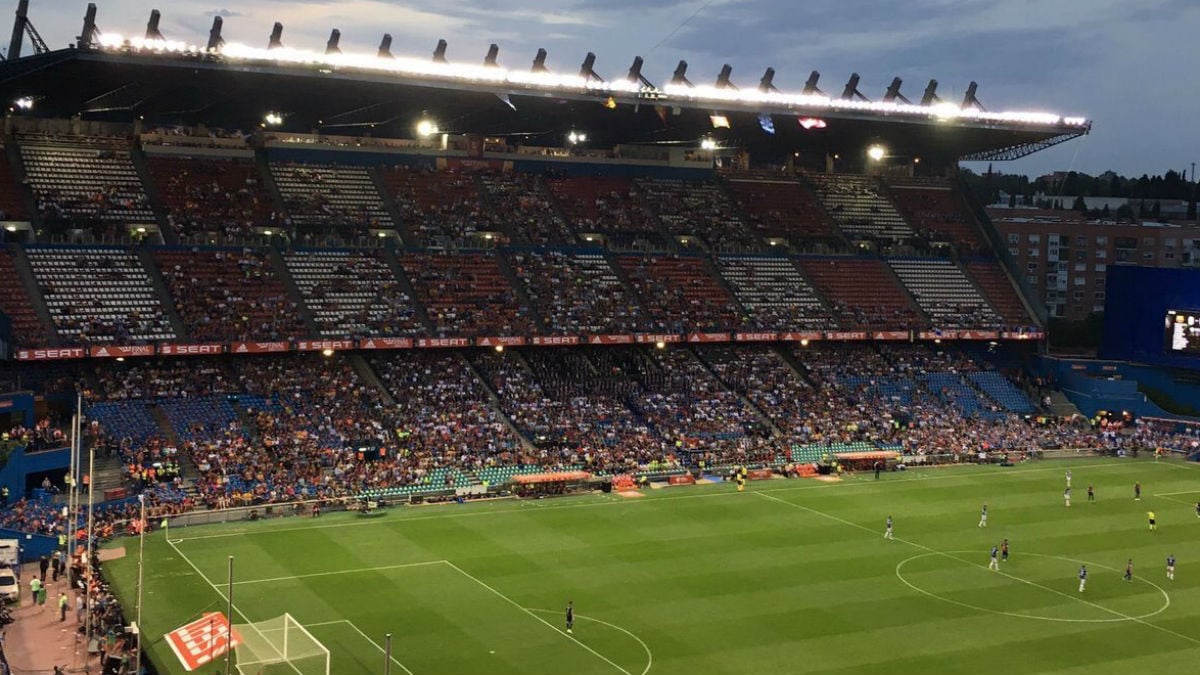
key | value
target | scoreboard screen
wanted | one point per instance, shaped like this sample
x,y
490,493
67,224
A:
x,y
1181,332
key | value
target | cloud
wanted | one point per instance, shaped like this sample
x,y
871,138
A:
x,y
223,13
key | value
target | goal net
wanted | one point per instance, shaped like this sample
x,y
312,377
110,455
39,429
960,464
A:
x,y
279,646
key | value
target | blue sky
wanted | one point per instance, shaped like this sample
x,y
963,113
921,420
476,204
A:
x,y
1127,64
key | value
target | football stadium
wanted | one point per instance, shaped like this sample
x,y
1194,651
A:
x,y
325,362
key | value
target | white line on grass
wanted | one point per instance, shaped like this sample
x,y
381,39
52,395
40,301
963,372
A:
x,y
645,647
552,627
1172,499
969,562
917,478
358,570
353,625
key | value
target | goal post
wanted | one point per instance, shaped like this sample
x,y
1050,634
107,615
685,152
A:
x,y
279,646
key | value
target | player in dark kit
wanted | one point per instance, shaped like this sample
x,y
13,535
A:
x,y
570,616
1091,494
1137,492
1004,551
1129,570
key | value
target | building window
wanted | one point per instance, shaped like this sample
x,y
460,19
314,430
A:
x,y
1035,238
1014,252
1080,281
1014,238
1032,280
1081,242
1101,267
1081,256
1077,296
1080,267
1101,254
1148,255
1032,253
1032,267
1098,295
1102,241
1097,308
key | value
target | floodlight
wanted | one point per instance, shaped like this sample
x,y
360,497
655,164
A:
x,y
893,92
724,78
24,103
439,52
930,96
382,235
539,62
141,230
588,69
660,344
327,352
493,52
876,152
426,127
708,144
804,342
576,137
331,47
11,228
385,47
273,119
810,87
499,349
680,76
276,39
767,81
152,31
635,73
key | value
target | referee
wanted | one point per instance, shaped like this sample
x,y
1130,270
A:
x,y
570,616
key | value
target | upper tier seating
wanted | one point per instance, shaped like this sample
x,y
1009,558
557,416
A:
x,y
781,207
212,195
576,292
859,209
99,295
999,291
697,208
467,295
680,295
83,184
862,293
12,202
600,204
522,202
935,211
352,294
229,295
328,197
14,301
945,293
774,292
438,207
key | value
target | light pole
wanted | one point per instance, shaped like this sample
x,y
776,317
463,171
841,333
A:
x,y
137,657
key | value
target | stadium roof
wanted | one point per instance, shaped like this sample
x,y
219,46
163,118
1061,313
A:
x,y
163,83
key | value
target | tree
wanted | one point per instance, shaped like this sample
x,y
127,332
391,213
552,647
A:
x,y
1125,212
1079,205
1156,210
1105,213
1012,200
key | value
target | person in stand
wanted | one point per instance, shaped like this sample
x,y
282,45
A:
x,y
570,616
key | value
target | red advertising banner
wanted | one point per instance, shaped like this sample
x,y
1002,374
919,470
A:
x,y
800,336
846,336
202,640
509,341
555,340
708,337
978,335
259,347
610,340
1023,335
441,343
652,338
192,350
322,345
386,343
892,335
51,354
755,337
120,352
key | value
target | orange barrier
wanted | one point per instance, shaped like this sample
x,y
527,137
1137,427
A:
x,y
623,483
760,474
806,470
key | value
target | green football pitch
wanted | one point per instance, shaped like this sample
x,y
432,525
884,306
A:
x,y
787,577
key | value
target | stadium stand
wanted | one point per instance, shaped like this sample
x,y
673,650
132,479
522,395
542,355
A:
x,y
229,295
1000,390
774,292
12,201
15,302
862,293
467,294
600,204
576,291
679,294
780,206
695,208
352,293
437,208
934,211
859,208
324,198
82,182
945,293
98,294
999,291
212,195
521,203
761,375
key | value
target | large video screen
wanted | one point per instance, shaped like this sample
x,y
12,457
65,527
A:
x,y
1181,332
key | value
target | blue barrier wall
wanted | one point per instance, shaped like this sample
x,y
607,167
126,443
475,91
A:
x,y
1094,385
1136,302
21,464
33,546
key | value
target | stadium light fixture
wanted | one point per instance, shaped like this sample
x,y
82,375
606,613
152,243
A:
x,y
276,39
332,46
273,119
327,353
215,41
804,342
141,230
708,144
660,344
576,137
385,47
426,127
24,103
493,54
382,234
11,228
876,152
499,349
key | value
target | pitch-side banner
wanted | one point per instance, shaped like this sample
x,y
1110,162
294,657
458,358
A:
x,y
202,640
386,343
